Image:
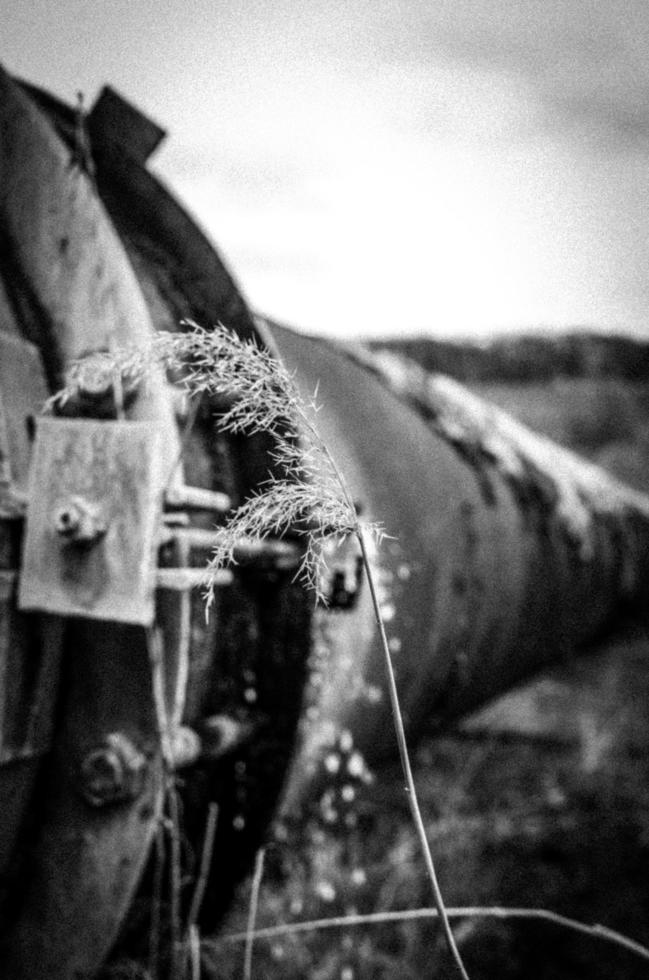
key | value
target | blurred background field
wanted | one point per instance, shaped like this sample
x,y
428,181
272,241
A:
x,y
605,419
539,800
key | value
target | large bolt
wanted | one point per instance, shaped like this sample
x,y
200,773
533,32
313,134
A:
x,y
79,521
112,772
97,390
95,379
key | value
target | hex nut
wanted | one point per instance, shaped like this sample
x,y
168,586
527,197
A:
x,y
79,521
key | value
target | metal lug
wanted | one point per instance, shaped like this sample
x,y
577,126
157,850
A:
x,y
197,498
341,582
280,555
181,579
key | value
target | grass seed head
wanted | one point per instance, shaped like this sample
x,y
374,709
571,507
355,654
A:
x,y
305,495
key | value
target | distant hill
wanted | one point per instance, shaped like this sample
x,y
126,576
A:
x,y
528,357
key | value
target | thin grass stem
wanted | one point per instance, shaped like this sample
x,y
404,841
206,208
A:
x,y
252,913
595,931
206,860
155,646
411,791
194,943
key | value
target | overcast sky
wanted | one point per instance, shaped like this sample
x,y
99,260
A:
x,y
388,166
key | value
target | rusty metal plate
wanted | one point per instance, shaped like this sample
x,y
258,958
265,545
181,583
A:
x,y
93,519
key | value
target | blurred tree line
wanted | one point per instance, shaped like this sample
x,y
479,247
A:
x,y
528,358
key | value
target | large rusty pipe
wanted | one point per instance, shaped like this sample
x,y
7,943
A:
x,y
506,551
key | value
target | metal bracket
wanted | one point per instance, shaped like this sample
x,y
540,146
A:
x,y
93,518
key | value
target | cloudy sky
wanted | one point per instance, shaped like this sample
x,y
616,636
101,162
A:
x,y
388,166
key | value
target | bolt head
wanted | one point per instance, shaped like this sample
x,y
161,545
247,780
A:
x,y
79,521
95,379
112,772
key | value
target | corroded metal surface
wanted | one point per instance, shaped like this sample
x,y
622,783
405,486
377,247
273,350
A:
x,y
576,492
502,560
505,554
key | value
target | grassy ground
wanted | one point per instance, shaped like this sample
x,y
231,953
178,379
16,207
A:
x,y
542,800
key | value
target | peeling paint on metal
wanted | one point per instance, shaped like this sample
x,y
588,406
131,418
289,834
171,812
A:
x,y
573,490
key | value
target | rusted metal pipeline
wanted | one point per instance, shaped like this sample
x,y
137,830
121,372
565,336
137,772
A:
x,y
506,553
